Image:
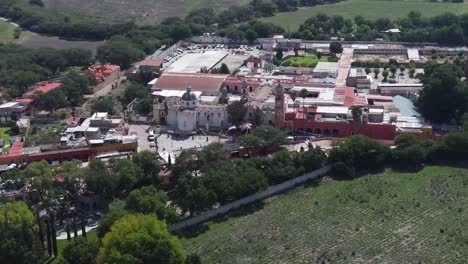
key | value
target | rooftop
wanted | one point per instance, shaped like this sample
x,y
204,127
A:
x,y
326,66
200,82
43,87
150,63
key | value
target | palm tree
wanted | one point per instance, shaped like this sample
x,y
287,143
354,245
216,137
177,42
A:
x,y
356,112
368,70
293,98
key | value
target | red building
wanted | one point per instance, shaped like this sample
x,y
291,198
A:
x,y
42,87
334,122
105,75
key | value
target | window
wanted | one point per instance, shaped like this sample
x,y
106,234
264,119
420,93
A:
x,y
227,87
235,87
270,122
193,102
250,88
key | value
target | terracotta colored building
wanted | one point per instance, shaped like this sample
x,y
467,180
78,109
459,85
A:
x,y
105,75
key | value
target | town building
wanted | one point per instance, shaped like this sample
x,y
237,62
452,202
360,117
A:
x,y
12,111
105,75
42,87
325,69
208,84
190,112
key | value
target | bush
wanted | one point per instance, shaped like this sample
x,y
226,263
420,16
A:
x,y
295,64
286,63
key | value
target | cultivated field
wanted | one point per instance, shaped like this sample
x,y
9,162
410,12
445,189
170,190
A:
x,y
385,218
142,11
370,9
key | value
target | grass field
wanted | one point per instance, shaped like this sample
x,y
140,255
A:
x,y
305,61
370,9
384,218
143,11
7,32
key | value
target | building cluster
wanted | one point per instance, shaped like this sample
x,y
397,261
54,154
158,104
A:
x,y
315,101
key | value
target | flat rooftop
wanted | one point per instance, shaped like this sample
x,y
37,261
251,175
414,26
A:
x,y
193,62
326,67
199,82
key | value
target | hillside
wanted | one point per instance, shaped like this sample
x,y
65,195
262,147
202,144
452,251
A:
x,y
370,9
385,218
142,11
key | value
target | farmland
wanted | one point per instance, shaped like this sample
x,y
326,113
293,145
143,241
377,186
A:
x,y
370,9
146,12
384,218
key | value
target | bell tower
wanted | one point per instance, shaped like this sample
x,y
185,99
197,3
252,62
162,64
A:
x,y
279,107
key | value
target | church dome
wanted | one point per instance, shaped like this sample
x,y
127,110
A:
x,y
188,95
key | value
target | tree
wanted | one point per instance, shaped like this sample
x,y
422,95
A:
x,y
149,165
140,239
265,136
251,35
36,2
103,104
39,175
258,115
80,251
356,112
402,69
50,101
279,54
144,106
236,113
148,200
336,47
75,85
128,175
443,88
393,70
376,73
116,211
224,69
119,51
99,181
19,235
359,152
368,70
134,90
385,75
412,71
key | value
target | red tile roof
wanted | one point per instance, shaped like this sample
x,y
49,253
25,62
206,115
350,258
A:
x,y
102,71
44,87
151,63
200,82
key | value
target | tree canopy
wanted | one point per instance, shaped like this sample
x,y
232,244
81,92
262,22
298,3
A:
x,y
140,239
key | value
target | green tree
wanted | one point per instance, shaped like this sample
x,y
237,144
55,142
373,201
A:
x,y
116,211
80,251
103,104
236,113
19,235
134,90
368,70
304,93
265,136
140,239
39,175
412,71
393,70
75,85
279,54
50,101
258,116
443,87
336,47
402,69
119,51
149,165
148,200
99,181
376,73
224,69
385,75
144,106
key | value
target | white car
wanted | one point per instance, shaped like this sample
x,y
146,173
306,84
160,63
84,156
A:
x,y
152,144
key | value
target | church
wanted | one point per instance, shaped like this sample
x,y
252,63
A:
x,y
193,111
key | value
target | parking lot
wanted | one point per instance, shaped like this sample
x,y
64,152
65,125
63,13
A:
x,y
192,58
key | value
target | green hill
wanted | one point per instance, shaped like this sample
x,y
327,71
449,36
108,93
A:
x,y
384,218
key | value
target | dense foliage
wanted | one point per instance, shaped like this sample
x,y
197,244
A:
x,y
140,239
19,235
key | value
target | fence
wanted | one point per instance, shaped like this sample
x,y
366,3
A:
x,y
271,191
